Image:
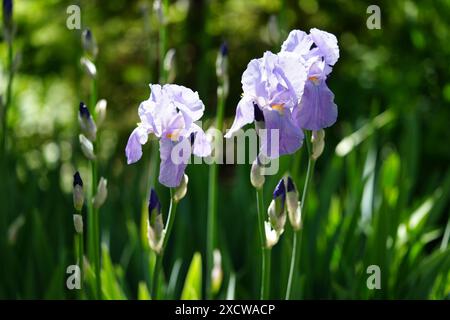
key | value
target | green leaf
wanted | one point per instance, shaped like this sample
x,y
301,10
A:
x,y
193,284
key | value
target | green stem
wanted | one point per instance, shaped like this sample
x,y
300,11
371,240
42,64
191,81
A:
x,y
163,42
159,257
211,236
8,97
298,234
265,251
80,258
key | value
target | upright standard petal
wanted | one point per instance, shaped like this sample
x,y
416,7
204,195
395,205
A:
x,y
187,101
297,42
133,150
327,44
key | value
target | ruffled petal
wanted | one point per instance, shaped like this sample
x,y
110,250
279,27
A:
x,y
297,42
327,44
187,101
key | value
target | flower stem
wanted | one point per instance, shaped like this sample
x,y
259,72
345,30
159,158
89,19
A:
x,y
265,251
159,257
8,97
163,41
298,234
211,236
80,257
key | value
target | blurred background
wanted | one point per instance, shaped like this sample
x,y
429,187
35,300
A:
x,y
381,189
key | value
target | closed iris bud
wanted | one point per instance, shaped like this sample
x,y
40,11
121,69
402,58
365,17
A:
x,y
100,111
222,61
7,18
87,147
216,272
87,124
102,193
155,223
89,67
169,65
272,236
89,43
78,223
318,143
181,190
277,208
292,204
78,193
257,178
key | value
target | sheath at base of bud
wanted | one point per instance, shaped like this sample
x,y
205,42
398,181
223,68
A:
x,y
78,223
181,190
318,143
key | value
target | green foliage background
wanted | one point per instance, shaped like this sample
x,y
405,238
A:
x,y
385,202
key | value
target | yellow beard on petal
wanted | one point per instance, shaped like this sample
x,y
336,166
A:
x,y
173,135
278,107
314,80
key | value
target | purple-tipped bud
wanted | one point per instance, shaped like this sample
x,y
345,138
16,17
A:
x,y
7,12
7,19
280,192
77,179
87,124
154,203
89,43
224,49
78,194
155,223
292,204
276,211
290,184
84,111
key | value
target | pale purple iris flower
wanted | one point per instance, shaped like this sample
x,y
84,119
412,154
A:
x,y
319,51
274,85
170,114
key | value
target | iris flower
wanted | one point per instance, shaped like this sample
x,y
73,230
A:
x,y
319,51
169,114
272,87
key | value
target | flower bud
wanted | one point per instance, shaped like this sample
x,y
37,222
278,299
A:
x,y
256,177
156,230
88,67
7,19
100,111
216,272
89,43
292,204
222,61
78,223
102,193
78,194
272,235
277,208
158,8
181,190
87,147
318,143
86,122
169,65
